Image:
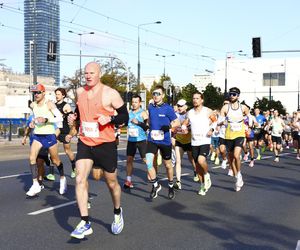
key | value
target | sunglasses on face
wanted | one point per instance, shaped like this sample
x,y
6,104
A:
x,y
156,94
38,92
233,94
179,106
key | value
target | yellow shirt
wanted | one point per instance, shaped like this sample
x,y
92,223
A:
x,y
236,126
43,111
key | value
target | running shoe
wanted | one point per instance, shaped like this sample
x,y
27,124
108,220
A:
x,y
177,185
298,157
258,157
118,223
83,228
287,147
224,164
155,191
276,159
63,185
196,177
128,185
202,191
34,189
217,161
239,183
263,149
246,156
73,174
171,193
207,181
50,177
230,172
251,164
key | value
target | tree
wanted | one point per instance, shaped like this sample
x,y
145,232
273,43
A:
x,y
264,104
187,94
213,97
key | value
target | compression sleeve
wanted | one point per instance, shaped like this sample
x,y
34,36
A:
x,y
122,116
143,125
57,116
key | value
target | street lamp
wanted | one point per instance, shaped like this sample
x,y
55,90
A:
x,y
164,57
227,53
139,63
80,35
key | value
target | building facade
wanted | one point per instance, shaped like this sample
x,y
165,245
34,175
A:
x,y
41,25
275,78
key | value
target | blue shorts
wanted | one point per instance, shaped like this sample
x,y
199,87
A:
x,y
46,140
215,142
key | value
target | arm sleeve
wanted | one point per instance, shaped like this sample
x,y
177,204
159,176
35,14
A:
x,y
57,116
121,117
143,125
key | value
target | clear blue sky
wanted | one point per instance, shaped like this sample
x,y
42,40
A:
x,y
189,29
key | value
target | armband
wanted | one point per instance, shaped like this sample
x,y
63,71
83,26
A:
x,y
121,117
46,120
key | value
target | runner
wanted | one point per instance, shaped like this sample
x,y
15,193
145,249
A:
x,y
234,113
97,144
202,122
276,126
259,132
65,110
161,118
45,115
182,143
137,127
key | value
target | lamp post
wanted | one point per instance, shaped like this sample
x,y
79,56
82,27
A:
x,y
226,65
80,50
164,57
139,63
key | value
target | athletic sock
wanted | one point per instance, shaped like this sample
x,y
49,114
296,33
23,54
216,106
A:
x,y
117,210
85,218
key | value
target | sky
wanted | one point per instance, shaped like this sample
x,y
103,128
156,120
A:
x,y
196,32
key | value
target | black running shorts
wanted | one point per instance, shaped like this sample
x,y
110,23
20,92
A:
x,y
104,156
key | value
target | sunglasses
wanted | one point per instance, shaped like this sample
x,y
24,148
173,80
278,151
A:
x,y
38,92
233,94
179,106
156,94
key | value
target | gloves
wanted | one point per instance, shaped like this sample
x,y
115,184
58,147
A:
x,y
165,128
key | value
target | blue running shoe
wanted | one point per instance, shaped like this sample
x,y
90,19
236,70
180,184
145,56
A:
x,y
82,229
118,223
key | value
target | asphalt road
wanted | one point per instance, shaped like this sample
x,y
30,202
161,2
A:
x,y
263,215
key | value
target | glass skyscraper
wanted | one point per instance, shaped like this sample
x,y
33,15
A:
x,y
41,21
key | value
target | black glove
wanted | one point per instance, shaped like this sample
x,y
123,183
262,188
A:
x,y
165,128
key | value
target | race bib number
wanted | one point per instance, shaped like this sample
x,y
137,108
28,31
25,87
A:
x,y
157,135
90,129
133,132
197,137
236,126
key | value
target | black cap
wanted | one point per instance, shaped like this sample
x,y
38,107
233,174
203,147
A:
x,y
234,90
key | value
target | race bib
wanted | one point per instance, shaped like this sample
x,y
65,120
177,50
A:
x,y
133,132
157,135
197,137
236,126
90,129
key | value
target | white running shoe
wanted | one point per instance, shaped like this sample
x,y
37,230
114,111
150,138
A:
x,y
34,189
276,159
239,183
251,164
246,157
217,161
202,191
63,185
230,172
207,182
118,223
224,163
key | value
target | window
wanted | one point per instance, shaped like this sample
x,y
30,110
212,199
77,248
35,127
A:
x,y
274,79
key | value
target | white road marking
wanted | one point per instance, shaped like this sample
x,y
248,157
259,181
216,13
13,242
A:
x,y
14,175
52,208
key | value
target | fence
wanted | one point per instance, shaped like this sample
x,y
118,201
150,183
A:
x,y
10,127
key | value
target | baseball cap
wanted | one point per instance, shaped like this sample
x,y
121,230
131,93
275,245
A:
x,y
181,102
234,90
37,87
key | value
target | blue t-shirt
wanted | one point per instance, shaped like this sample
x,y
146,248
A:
x,y
159,116
261,119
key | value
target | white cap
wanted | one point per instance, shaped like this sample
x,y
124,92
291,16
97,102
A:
x,y
181,102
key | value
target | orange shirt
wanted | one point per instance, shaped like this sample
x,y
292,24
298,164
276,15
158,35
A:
x,y
91,132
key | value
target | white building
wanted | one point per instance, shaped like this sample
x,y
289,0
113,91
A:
x,y
258,77
14,94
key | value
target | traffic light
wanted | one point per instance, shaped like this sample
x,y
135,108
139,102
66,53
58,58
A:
x,y
256,50
51,56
